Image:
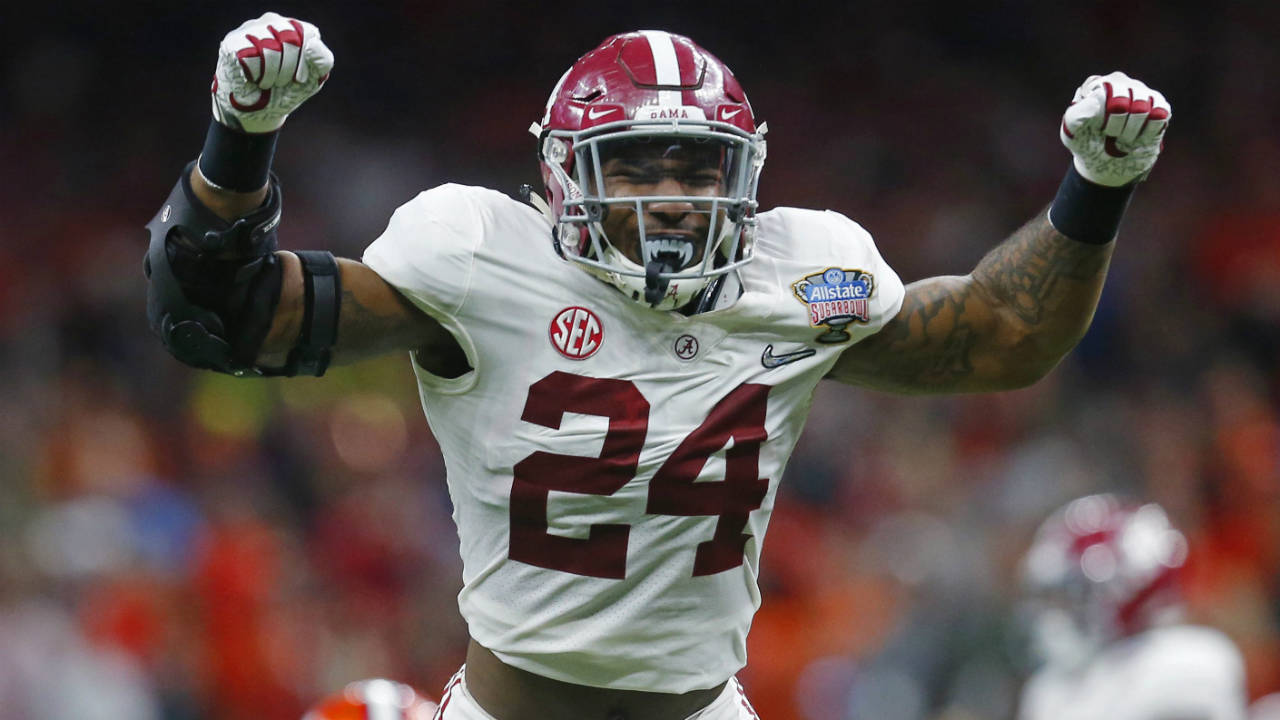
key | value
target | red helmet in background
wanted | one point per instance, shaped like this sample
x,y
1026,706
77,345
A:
x,y
1100,569
653,87
373,699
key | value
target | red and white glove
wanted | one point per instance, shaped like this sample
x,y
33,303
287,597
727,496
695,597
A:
x,y
1115,128
266,69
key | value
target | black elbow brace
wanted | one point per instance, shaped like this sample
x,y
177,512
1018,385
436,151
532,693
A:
x,y
214,286
322,299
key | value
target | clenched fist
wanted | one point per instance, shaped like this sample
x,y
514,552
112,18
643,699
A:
x,y
266,68
1115,129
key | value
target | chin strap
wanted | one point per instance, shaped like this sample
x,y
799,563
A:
x,y
723,292
528,195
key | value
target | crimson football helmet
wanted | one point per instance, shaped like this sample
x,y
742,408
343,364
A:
x,y
373,699
666,126
1100,569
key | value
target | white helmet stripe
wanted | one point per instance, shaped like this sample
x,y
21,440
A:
x,y
665,65
546,116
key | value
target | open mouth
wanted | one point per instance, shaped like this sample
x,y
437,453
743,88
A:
x,y
673,251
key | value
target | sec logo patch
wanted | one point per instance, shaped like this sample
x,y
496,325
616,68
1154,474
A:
x,y
576,333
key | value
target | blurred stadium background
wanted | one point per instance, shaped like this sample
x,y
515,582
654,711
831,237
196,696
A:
x,y
183,546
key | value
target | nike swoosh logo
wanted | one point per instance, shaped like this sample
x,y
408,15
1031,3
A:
x,y
595,113
770,361
728,114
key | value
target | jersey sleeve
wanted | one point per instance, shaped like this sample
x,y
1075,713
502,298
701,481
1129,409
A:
x,y
855,242
1200,677
428,249
808,246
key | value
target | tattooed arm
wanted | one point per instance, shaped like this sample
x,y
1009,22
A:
x,y
1030,300
1003,326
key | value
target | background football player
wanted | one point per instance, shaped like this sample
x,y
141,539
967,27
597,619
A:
x,y
1107,621
617,377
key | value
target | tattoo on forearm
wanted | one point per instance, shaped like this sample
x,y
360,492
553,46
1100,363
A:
x,y
1009,321
941,313
929,345
1029,269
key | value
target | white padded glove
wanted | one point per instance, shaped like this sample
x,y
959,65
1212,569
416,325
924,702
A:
x,y
1115,129
266,68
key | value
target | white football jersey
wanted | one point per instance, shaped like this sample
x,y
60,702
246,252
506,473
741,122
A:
x,y
613,467
1180,672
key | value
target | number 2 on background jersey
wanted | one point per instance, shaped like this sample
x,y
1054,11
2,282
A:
x,y
672,491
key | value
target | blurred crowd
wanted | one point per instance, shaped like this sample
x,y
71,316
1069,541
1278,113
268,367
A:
x,y
180,545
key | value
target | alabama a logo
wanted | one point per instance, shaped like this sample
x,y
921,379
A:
x,y
835,298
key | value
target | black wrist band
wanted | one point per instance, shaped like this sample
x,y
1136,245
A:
x,y
1088,212
233,160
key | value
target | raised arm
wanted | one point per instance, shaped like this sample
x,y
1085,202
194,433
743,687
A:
x,y
374,318
1002,326
221,295
1030,300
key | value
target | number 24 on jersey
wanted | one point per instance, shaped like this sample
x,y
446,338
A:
x,y
739,416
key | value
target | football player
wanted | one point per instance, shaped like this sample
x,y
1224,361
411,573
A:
x,y
617,369
1106,621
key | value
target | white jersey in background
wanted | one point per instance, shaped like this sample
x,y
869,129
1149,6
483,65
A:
x,y
1178,672
613,467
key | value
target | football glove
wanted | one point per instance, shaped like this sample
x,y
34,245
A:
x,y
1115,129
266,68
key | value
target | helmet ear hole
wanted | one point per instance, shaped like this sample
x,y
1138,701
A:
x,y
555,150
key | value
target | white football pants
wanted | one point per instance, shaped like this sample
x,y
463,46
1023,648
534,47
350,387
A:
x,y
457,703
